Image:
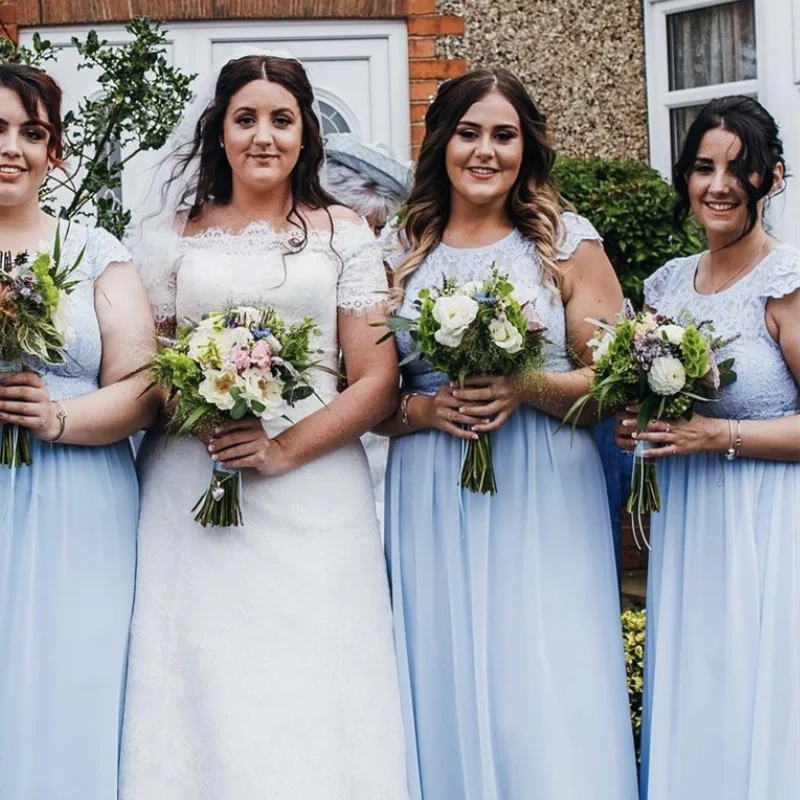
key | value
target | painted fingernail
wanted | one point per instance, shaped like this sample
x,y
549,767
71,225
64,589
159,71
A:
x,y
461,410
217,431
634,435
456,395
211,448
215,457
626,423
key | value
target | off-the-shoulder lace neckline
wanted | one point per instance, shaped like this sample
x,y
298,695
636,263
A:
x,y
757,269
263,226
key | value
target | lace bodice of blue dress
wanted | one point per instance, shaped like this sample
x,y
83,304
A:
x,y
514,255
80,373
764,386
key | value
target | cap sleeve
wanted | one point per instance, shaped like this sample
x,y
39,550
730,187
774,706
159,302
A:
x,y
783,275
658,284
391,247
156,256
362,285
99,248
576,230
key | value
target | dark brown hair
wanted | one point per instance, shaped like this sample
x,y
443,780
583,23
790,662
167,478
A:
x,y
37,91
215,178
533,203
761,152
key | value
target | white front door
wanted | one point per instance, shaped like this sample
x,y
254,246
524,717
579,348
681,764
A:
x,y
359,70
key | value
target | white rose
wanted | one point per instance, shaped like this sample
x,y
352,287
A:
x,y
672,333
247,314
667,375
447,339
600,345
264,389
60,320
216,388
470,289
505,336
231,338
645,325
455,314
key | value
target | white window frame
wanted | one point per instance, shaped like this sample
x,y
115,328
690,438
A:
x,y
777,87
660,99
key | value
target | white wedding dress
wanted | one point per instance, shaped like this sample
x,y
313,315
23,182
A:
x,y
261,663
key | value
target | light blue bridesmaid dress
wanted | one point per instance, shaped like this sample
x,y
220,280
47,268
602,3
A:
x,y
67,562
507,623
722,657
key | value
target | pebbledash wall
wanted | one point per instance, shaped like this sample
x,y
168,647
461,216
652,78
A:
x,y
583,60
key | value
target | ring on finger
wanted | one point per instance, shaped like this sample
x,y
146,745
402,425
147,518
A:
x,y
673,449
669,427
492,393
450,416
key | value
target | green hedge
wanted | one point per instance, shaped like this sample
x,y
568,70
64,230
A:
x,y
633,624
631,206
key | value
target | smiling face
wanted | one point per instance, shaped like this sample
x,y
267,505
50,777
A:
x,y
24,154
262,135
484,155
718,201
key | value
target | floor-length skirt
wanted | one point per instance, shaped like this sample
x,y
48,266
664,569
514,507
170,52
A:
x,y
507,620
262,665
67,565
722,656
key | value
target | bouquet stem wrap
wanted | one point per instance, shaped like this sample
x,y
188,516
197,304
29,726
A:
x,y
644,497
221,505
15,445
477,471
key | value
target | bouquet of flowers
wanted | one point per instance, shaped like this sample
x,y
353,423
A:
x,y
470,329
34,324
663,365
233,363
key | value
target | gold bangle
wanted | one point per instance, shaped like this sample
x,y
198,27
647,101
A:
x,y
404,409
61,416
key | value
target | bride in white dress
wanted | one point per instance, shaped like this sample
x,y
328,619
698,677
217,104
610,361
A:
x,y
261,663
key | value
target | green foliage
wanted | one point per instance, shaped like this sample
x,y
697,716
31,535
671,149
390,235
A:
x,y
140,101
633,629
631,206
696,355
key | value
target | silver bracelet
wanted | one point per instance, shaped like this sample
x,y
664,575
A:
x,y
61,416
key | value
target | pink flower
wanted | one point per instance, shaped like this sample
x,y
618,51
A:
x,y
534,321
262,355
241,358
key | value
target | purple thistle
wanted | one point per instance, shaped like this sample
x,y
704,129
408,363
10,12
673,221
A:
x,y
647,348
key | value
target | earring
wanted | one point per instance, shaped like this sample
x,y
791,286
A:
x,y
222,144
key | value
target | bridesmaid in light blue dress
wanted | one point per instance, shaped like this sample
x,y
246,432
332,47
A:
x,y
506,607
68,521
722,658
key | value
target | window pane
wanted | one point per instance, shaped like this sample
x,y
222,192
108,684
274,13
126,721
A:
x,y
332,120
712,45
680,120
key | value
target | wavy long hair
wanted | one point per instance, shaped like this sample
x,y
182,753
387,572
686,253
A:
x,y
533,203
760,154
215,177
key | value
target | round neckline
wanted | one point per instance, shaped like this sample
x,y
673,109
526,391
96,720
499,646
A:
x,y
512,232
741,280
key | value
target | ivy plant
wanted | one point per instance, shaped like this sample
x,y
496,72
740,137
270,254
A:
x,y
140,100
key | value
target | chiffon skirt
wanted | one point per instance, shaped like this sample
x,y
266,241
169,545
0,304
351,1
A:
x,y
67,563
507,620
722,659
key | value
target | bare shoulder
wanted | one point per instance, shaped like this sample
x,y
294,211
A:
x,y
322,218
